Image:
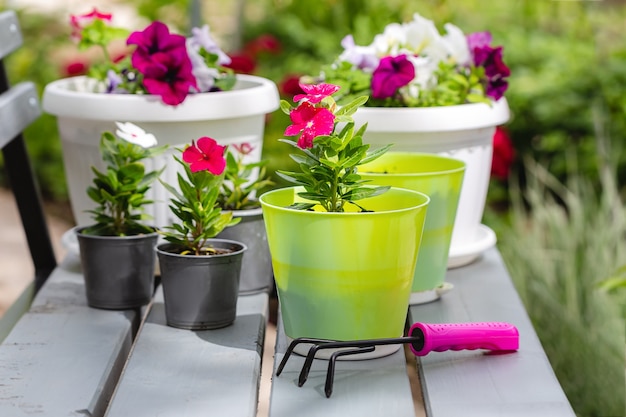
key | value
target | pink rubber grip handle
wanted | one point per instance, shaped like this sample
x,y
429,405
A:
x,y
464,336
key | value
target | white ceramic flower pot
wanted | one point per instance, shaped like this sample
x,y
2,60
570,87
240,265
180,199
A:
x,y
230,117
463,132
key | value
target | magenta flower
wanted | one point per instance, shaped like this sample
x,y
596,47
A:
x,y
162,59
206,155
314,93
484,55
391,74
311,121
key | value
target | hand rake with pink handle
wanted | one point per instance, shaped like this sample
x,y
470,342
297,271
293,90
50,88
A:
x,y
422,339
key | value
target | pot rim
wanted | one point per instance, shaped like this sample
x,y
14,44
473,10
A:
x,y
461,166
251,96
425,202
247,212
243,248
79,229
433,119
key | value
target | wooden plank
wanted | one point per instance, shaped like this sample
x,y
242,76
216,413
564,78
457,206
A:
x,y
63,358
473,383
175,372
10,33
372,387
16,311
19,107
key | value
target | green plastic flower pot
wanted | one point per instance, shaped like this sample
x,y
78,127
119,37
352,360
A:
x,y
441,179
345,276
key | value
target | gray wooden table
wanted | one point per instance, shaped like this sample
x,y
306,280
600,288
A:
x,y
66,359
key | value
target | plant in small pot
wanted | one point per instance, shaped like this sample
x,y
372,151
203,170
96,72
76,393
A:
x,y
238,194
343,252
117,252
168,84
435,93
199,273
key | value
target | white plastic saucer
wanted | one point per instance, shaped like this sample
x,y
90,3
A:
x,y
423,297
463,255
70,242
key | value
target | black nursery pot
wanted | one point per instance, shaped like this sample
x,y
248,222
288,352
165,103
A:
x,y
200,292
118,270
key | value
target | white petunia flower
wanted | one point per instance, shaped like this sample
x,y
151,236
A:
x,y
457,44
136,135
422,35
390,41
424,71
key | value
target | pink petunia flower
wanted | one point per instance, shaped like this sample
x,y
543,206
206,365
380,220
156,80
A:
x,y
391,74
311,121
78,22
205,155
314,93
243,148
162,59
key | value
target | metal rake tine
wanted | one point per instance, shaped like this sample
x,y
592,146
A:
x,y
306,368
304,372
330,374
292,346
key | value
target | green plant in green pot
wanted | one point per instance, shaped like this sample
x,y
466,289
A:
x,y
343,252
243,180
200,274
117,251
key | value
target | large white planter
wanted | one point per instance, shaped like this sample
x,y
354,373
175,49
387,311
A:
x,y
463,132
230,117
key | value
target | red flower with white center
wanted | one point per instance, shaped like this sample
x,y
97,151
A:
x,y
311,121
205,155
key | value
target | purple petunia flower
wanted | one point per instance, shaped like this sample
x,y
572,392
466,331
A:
x,y
490,58
162,59
391,74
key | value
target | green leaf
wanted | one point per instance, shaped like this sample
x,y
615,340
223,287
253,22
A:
x,y
302,206
376,153
363,192
351,108
294,177
285,106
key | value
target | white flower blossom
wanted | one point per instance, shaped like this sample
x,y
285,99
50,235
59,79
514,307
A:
x,y
390,41
457,43
136,135
424,71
